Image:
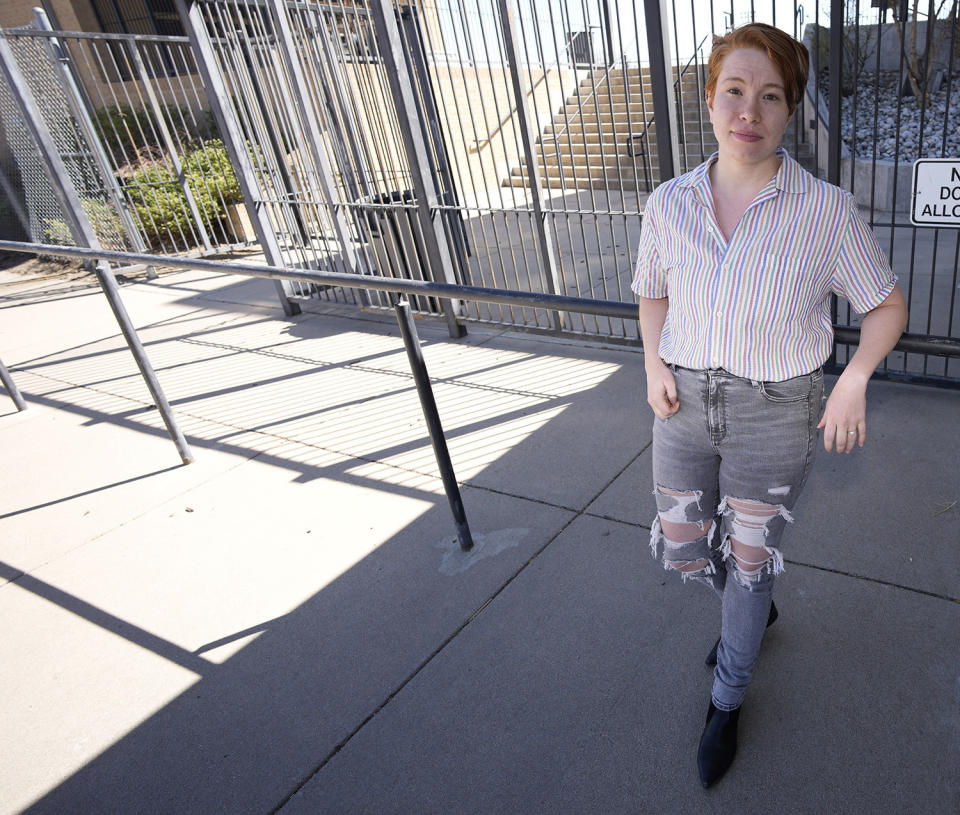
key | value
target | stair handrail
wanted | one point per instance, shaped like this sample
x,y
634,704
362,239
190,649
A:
x,y
479,144
676,90
581,103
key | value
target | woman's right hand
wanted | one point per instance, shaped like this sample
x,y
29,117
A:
x,y
662,390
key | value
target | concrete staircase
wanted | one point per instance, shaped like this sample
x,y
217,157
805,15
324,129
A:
x,y
588,143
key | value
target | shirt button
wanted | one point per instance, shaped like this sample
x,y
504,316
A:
x,y
719,313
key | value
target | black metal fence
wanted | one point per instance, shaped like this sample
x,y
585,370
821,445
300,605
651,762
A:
x,y
506,145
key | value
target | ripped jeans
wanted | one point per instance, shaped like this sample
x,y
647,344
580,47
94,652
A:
x,y
727,469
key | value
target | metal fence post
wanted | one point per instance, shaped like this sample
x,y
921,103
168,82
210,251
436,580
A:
x,y
836,82
656,14
79,105
11,387
834,134
84,235
429,405
309,119
541,227
417,153
235,144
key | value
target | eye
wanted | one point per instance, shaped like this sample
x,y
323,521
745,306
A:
x,y
734,91
772,97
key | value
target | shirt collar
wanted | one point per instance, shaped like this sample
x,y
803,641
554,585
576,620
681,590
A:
x,y
789,178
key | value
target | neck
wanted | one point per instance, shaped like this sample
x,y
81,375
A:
x,y
728,173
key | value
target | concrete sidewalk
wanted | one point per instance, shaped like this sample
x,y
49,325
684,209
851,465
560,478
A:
x,y
288,625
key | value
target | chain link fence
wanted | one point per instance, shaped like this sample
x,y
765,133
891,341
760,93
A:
x,y
23,168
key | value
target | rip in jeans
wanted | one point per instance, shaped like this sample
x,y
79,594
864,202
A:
x,y
686,543
745,541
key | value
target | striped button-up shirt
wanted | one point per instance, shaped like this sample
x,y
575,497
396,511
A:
x,y
758,305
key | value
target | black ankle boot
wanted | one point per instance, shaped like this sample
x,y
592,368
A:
x,y
718,744
711,659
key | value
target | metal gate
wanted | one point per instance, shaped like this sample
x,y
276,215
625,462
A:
x,y
512,144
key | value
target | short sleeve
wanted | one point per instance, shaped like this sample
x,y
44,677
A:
x,y
650,279
862,274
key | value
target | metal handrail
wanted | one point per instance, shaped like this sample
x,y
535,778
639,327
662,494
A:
x,y
596,85
676,90
408,331
479,144
844,334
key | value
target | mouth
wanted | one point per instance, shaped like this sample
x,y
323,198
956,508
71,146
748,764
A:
x,y
746,135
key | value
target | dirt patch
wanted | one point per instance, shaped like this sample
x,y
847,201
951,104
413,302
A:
x,y
42,267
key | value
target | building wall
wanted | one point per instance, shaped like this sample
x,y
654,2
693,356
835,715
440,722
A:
x,y
73,15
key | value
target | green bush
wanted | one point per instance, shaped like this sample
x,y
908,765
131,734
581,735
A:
x,y
161,205
104,220
210,166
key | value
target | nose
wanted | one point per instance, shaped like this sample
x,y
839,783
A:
x,y
749,109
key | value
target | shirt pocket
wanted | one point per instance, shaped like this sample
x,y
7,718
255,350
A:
x,y
788,286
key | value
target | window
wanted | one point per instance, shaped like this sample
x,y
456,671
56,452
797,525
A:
x,y
138,16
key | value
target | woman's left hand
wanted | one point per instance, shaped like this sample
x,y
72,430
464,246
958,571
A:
x,y
844,421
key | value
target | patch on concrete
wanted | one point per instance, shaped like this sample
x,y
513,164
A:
x,y
485,545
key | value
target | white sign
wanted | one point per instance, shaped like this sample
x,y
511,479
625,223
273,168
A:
x,y
936,192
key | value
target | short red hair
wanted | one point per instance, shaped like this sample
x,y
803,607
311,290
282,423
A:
x,y
785,52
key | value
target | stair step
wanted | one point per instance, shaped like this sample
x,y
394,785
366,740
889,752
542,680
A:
x,y
587,140
618,148
583,182
603,106
595,163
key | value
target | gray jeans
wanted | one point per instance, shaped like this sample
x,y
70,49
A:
x,y
727,469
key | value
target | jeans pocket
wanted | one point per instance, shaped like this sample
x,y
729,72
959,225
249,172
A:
x,y
796,389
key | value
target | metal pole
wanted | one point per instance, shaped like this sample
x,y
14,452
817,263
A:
x,y
424,390
921,343
84,235
607,22
168,142
11,387
661,81
80,106
542,229
309,119
346,146
417,153
235,144
834,132
836,83
448,192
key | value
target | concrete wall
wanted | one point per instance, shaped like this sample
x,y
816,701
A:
x,y
72,15
872,37
871,184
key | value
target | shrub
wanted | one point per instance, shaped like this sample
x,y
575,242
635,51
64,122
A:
x,y
161,205
104,220
209,165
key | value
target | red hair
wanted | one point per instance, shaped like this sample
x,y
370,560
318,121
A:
x,y
785,52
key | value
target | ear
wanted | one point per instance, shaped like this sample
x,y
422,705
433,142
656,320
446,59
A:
x,y
709,98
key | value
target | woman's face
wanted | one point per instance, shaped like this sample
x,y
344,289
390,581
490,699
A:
x,y
748,108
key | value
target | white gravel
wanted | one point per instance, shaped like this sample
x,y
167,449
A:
x,y
884,113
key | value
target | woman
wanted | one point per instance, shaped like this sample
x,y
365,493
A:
x,y
737,262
